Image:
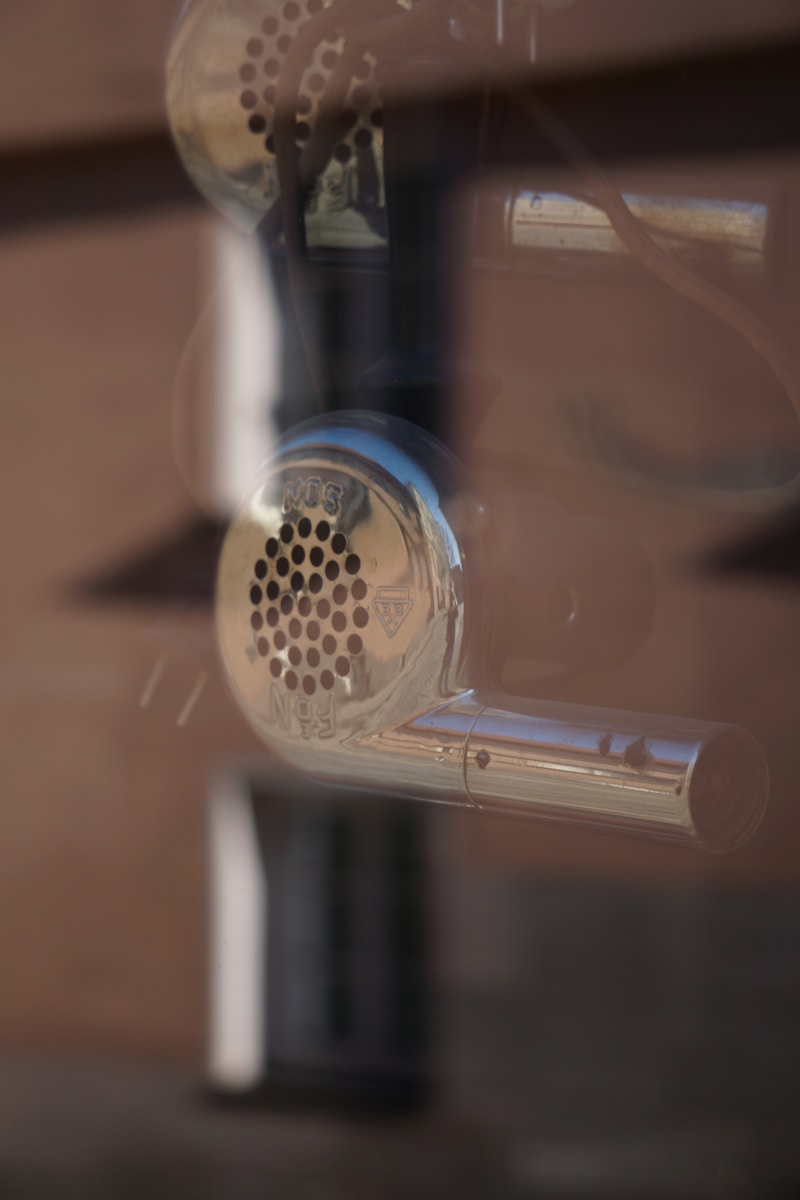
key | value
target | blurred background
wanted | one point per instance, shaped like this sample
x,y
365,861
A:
x,y
196,994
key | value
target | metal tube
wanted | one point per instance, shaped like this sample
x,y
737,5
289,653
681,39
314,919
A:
x,y
544,229
689,781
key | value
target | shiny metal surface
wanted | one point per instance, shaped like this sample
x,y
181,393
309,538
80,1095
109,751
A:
x,y
342,607
668,777
733,232
711,223
224,64
340,601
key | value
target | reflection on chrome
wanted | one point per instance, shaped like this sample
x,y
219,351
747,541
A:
x,y
726,232
344,618
223,123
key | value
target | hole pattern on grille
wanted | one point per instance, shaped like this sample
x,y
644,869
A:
x,y
306,622
265,52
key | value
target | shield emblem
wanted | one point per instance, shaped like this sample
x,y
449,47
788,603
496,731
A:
x,y
392,605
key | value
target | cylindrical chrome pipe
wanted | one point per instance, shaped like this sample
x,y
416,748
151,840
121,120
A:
x,y
538,228
691,781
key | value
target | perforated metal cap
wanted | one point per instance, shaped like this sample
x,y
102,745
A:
x,y
223,70
318,632
340,595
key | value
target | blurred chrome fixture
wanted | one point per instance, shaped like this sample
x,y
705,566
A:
x,y
224,69
549,230
349,625
225,65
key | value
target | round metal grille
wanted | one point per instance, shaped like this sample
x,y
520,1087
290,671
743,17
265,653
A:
x,y
307,598
263,56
